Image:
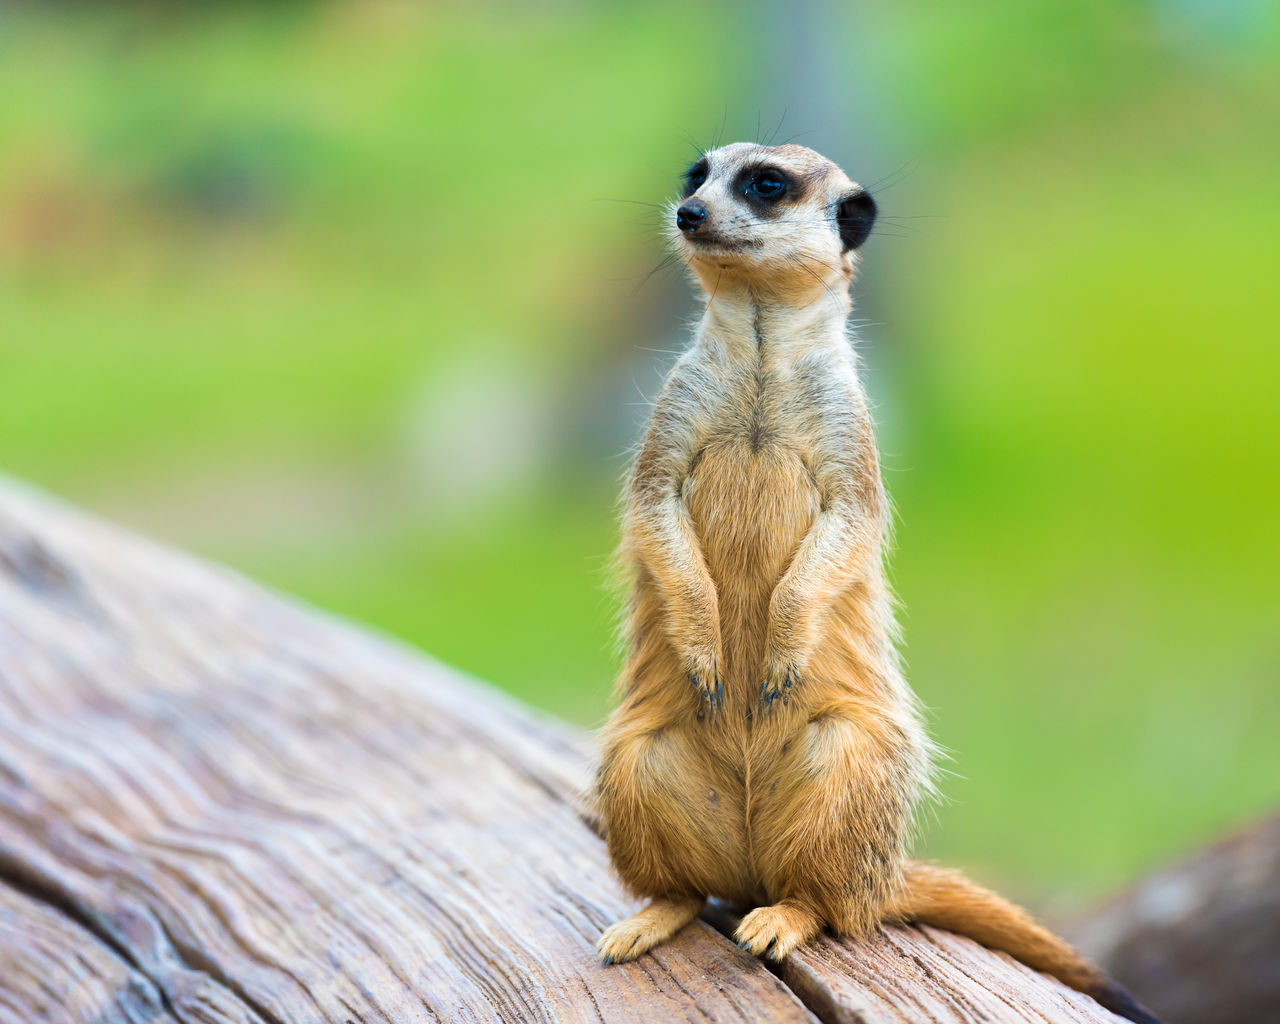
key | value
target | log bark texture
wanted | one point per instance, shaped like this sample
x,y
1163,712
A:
x,y
1199,943
218,806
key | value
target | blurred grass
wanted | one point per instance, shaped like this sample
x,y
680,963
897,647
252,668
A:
x,y
271,226
1087,546
329,293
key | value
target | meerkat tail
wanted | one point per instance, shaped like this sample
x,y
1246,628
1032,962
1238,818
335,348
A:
x,y
945,898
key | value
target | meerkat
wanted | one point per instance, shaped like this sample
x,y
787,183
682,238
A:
x,y
766,748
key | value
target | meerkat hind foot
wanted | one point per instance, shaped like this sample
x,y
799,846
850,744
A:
x,y
777,930
652,926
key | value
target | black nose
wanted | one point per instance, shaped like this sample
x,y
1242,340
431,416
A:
x,y
690,216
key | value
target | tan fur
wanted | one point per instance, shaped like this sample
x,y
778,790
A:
x,y
947,899
766,748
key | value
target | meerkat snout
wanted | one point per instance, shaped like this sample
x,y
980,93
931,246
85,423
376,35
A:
x,y
691,216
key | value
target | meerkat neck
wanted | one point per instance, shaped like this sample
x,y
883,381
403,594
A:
x,y
748,323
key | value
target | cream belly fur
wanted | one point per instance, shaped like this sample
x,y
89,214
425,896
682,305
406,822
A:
x,y
753,551
750,511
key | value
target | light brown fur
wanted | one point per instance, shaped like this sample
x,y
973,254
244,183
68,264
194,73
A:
x,y
766,748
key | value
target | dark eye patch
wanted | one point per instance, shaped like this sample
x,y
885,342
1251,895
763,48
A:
x,y
766,185
695,176
763,187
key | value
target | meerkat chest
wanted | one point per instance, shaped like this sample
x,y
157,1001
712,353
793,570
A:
x,y
750,492
777,408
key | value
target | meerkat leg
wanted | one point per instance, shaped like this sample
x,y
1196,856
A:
x,y
660,537
829,830
777,930
673,821
639,933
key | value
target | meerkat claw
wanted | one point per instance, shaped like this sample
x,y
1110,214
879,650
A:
x,y
779,685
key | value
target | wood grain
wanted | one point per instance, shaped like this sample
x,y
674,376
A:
x,y
52,969
217,806
915,974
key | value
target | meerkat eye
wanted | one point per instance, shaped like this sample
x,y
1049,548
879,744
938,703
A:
x,y
695,177
766,185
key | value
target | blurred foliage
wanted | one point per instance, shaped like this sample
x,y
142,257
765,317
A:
x,y
353,297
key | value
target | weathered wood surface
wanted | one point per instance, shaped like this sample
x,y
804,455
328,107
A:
x,y
216,806
1200,942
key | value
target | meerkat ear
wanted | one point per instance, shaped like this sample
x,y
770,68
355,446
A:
x,y
855,214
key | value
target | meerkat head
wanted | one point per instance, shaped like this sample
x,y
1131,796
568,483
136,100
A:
x,y
770,216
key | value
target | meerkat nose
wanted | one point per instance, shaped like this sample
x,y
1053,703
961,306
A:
x,y
690,217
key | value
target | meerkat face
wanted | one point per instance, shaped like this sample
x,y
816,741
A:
x,y
770,213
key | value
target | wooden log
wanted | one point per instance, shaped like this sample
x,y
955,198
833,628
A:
x,y
53,969
1200,941
217,806
905,975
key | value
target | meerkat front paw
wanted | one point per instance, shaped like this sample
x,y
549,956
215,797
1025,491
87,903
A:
x,y
703,667
782,674
790,641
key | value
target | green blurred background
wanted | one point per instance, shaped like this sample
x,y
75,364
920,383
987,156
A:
x,y
354,298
